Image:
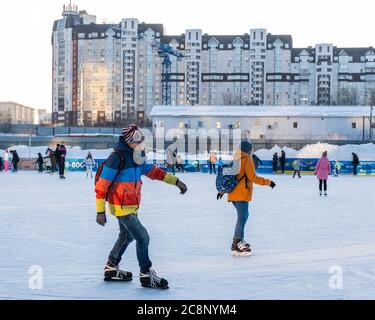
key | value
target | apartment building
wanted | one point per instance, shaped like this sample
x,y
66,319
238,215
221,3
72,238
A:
x,y
107,74
15,113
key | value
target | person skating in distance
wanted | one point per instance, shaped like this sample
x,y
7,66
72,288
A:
x,y
242,195
119,182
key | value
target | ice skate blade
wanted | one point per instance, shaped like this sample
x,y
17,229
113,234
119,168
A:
x,y
241,254
161,288
117,280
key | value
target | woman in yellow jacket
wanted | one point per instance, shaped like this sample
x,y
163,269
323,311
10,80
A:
x,y
242,195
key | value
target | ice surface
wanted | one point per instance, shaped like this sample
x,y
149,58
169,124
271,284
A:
x,y
296,237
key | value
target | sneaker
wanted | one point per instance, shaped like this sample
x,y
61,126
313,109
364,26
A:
x,y
151,280
113,273
325,194
321,194
239,248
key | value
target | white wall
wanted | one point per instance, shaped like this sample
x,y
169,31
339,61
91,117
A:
x,y
333,128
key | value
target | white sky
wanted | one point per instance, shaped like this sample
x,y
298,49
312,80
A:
x,y
26,26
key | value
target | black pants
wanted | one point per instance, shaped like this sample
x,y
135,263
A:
x,y
282,168
321,182
15,166
61,167
274,168
295,172
212,168
355,171
40,167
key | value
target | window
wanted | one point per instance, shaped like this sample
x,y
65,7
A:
x,y
181,125
354,125
295,125
218,125
237,125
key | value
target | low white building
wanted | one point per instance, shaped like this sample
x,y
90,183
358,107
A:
x,y
270,123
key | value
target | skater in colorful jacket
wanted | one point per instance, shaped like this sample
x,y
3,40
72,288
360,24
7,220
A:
x,y
125,169
242,195
322,171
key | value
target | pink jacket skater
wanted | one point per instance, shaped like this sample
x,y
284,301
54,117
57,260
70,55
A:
x,y
6,160
323,168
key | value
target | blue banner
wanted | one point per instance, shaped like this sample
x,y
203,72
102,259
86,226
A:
x,y
307,166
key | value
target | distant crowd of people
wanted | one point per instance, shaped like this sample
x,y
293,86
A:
x,y
10,161
54,161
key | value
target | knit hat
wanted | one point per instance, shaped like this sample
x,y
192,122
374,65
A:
x,y
132,134
246,146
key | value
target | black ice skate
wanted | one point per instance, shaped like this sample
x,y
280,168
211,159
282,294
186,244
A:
x,y
151,280
239,248
113,273
245,243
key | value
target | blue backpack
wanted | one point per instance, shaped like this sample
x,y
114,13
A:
x,y
227,183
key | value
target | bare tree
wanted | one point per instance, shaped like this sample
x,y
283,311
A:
x,y
347,97
231,99
371,97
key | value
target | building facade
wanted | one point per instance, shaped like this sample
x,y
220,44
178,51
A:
x,y
15,113
44,117
268,123
113,73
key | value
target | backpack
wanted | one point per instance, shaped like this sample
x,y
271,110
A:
x,y
227,183
119,169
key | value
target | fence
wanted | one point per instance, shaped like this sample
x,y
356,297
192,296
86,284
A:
x,y
308,165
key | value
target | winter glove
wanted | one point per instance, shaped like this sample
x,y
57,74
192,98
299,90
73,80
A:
x,y
219,196
101,218
273,184
181,186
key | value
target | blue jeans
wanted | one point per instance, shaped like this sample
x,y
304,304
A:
x,y
132,229
242,216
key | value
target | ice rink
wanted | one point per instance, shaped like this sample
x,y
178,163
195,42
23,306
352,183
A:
x,y
296,236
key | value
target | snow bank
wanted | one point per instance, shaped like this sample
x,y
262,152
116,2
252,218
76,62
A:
x,y
366,152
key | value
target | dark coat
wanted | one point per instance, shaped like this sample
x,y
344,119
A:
x,y
40,160
275,159
283,159
15,158
355,160
57,155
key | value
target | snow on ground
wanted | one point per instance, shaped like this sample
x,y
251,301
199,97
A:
x,y
366,152
296,236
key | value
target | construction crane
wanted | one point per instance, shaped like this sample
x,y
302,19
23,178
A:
x,y
165,51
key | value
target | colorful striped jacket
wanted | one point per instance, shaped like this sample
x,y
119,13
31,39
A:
x,y
124,197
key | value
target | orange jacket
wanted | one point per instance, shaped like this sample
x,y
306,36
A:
x,y
241,192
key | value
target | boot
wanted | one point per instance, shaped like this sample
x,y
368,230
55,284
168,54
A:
x,y
240,248
151,280
113,273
